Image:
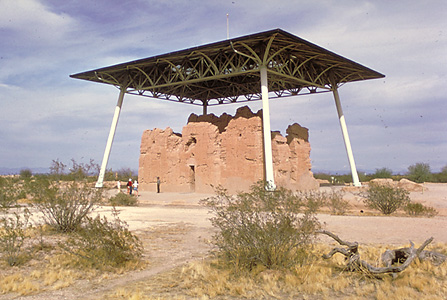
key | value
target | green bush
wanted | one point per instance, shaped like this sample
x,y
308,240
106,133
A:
x,y
262,227
313,200
420,172
323,176
101,244
64,205
418,209
382,173
386,198
8,193
13,236
442,176
122,174
26,174
336,203
123,199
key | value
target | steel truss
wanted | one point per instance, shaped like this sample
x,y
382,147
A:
x,y
229,71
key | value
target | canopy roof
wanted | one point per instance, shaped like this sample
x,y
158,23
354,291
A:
x,y
229,71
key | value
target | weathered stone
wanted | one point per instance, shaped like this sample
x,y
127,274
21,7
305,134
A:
x,y
225,151
411,186
403,184
298,132
383,181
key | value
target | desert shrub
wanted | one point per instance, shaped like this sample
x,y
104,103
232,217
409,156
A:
x,y
441,176
341,179
420,172
12,237
77,171
336,203
382,173
385,198
313,200
323,176
122,174
8,193
123,199
261,227
64,205
418,209
26,174
83,171
100,243
57,169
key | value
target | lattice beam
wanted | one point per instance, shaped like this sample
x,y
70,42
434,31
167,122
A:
x,y
229,71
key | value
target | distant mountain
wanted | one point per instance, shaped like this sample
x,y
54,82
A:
x,y
15,171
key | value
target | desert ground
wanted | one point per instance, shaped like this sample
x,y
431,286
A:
x,y
176,230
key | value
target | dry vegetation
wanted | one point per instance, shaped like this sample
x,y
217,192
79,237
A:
x,y
48,267
319,279
166,271
208,278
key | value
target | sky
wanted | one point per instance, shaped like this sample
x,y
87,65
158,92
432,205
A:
x,y
393,122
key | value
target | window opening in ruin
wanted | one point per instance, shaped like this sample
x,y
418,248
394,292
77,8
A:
x,y
191,141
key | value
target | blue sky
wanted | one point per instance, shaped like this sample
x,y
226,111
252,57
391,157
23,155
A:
x,y
393,122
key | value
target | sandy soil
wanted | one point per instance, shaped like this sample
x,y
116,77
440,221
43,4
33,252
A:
x,y
367,227
175,229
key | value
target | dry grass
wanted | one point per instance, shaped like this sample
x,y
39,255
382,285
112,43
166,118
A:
x,y
52,269
50,273
49,267
320,279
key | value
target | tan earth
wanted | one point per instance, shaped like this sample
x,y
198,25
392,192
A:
x,y
175,230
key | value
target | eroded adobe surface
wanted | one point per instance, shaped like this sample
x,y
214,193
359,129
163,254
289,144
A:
x,y
225,151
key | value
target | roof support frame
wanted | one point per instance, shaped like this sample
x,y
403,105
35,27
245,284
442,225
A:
x,y
347,141
230,71
267,135
105,159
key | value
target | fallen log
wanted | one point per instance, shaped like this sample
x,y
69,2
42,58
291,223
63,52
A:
x,y
395,261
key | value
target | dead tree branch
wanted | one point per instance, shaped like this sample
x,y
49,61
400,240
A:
x,y
391,258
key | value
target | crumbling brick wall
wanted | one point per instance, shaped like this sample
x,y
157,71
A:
x,y
225,151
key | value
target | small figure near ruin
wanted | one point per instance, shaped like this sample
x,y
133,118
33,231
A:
x,y
129,186
158,184
135,187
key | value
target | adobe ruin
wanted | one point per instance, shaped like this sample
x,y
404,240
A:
x,y
225,151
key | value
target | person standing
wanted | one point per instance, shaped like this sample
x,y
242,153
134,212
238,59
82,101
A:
x,y
135,187
158,184
129,186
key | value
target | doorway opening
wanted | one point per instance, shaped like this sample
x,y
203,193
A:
x,y
192,178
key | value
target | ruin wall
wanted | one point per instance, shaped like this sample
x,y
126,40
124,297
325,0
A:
x,y
225,151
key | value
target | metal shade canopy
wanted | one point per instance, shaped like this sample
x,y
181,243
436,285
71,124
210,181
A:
x,y
247,68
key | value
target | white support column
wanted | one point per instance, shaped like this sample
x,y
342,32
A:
x,y
344,130
105,159
268,157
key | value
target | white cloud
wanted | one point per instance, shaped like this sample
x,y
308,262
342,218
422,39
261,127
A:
x,y
53,116
32,22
